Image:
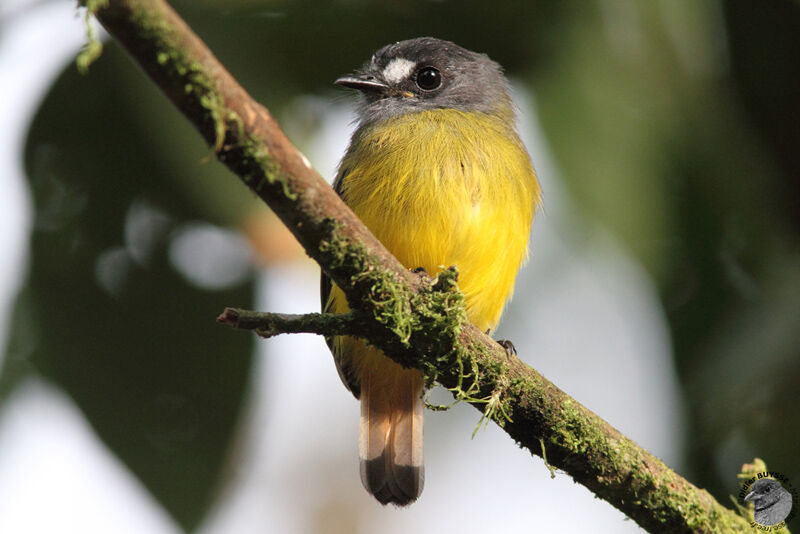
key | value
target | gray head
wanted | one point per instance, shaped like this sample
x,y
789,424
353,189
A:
x,y
771,502
427,73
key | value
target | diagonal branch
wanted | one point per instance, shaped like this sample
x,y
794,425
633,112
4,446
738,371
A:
x,y
416,321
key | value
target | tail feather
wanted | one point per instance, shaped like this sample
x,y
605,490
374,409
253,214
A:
x,y
390,441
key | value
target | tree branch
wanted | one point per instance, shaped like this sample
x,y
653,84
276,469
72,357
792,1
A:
x,y
268,325
416,321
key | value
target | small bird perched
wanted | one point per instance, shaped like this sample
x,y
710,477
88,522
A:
x,y
771,502
437,171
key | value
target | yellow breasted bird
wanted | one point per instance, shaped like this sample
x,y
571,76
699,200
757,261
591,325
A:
x,y
437,171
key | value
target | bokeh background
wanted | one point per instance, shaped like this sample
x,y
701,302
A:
x,y
663,289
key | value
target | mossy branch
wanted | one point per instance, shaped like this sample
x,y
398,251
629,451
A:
x,y
416,321
268,325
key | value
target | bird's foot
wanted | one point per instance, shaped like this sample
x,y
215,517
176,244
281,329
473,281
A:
x,y
511,350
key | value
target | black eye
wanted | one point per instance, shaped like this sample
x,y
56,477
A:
x,y
429,79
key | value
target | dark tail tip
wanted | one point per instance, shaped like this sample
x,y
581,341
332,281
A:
x,y
397,484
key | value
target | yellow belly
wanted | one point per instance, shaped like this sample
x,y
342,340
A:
x,y
441,188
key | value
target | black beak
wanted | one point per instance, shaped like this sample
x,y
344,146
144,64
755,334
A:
x,y
366,83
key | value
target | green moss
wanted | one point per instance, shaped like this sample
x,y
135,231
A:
x,y
94,48
170,55
391,304
544,458
572,430
264,165
213,102
436,312
338,251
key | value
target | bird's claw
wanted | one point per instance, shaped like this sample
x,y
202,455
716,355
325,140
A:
x,y
511,350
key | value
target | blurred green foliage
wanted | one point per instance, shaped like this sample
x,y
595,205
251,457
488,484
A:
x,y
104,314
674,124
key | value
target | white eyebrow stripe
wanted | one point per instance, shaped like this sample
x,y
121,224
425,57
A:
x,y
397,70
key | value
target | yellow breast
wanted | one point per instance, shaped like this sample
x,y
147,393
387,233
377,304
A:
x,y
446,187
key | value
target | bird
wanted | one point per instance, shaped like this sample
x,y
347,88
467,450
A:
x,y
437,171
771,502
